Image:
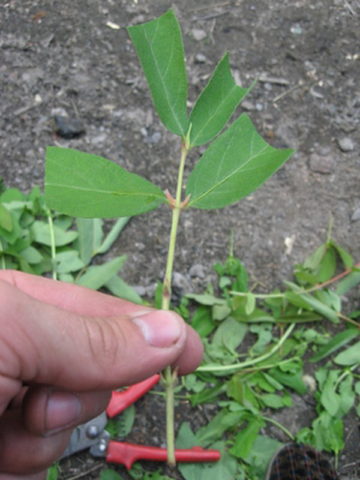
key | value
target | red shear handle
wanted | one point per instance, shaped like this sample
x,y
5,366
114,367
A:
x,y
127,453
121,400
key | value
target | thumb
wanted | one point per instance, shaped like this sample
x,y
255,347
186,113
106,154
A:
x,y
44,344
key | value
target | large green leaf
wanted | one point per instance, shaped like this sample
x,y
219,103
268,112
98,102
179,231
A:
x,y
85,185
160,49
215,104
234,165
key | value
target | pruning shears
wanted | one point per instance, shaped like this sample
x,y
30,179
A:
x,y
93,436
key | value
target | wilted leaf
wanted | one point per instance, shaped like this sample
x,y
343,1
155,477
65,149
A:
x,y
234,165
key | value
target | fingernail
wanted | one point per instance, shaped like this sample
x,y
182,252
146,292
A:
x,y
160,328
62,411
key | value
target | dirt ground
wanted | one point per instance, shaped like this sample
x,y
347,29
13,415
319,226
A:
x,y
71,58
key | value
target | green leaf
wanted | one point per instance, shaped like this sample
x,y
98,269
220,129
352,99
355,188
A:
x,y
345,256
229,334
223,421
207,395
335,343
53,472
113,234
347,283
160,49
5,219
68,261
90,237
202,321
225,468
215,104
273,400
347,395
110,474
329,398
250,303
350,356
291,380
206,299
97,276
41,234
31,255
307,301
234,165
328,433
85,185
245,439
263,449
120,288
121,425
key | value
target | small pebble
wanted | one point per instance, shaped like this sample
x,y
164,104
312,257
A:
x,y
296,29
67,127
247,105
356,215
346,144
197,270
154,138
198,34
324,150
200,58
181,282
322,164
100,138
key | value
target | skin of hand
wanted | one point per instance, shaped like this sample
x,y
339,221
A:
x,y
63,348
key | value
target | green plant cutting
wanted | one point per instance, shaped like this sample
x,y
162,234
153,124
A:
x,y
236,162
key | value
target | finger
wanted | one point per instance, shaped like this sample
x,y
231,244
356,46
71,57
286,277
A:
x,y
191,355
36,476
47,411
22,452
43,344
73,298
84,301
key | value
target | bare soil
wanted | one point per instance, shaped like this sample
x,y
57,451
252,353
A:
x,y
69,58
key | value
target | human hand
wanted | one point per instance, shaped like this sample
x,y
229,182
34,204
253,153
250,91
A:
x,y
63,348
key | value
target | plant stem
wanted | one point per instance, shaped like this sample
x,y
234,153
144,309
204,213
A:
x,y
2,257
170,376
52,242
227,369
280,426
